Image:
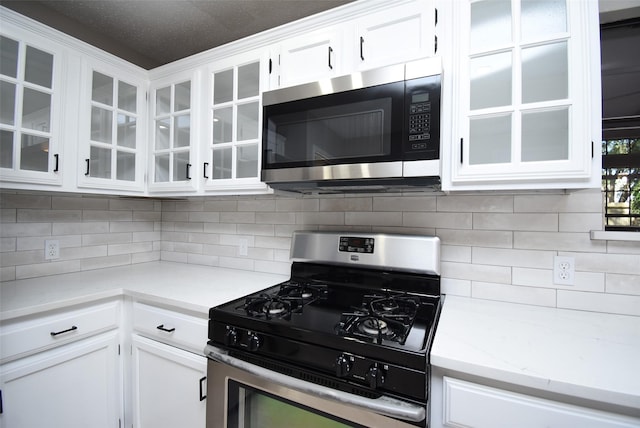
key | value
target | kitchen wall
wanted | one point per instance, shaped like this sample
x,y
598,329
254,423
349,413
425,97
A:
x,y
494,246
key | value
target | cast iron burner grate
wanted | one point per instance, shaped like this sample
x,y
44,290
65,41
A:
x,y
380,318
290,299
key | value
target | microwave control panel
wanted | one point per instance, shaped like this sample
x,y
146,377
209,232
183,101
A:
x,y
422,98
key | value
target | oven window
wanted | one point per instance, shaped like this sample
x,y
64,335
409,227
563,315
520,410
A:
x,y
252,408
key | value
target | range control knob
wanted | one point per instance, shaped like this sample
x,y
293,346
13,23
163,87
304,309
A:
x,y
375,376
231,337
343,365
253,342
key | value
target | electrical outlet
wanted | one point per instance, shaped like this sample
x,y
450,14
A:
x,y
243,247
51,249
564,270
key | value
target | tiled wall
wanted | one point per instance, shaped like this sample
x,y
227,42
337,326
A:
x,y
93,232
493,246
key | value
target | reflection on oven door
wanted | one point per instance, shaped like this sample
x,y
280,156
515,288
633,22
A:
x,y
238,399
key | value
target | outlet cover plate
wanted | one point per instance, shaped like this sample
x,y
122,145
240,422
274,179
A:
x,y
51,249
564,270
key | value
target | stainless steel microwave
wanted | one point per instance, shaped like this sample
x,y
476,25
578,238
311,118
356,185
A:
x,y
368,131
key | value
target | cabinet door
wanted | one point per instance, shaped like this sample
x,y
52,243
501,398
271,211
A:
x,y
473,405
77,385
525,87
310,57
169,386
31,84
232,158
396,35
113,129
174,124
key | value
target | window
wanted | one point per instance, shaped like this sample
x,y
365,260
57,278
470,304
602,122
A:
x,y
621,124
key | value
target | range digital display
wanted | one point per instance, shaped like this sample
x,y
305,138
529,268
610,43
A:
x,y
355,244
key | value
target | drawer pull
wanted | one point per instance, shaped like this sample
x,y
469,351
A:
x,y
55,333
168,330
202,397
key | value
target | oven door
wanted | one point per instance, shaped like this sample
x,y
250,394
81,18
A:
x,y
243,395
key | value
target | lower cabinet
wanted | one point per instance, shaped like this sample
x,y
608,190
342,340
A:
x,y
460,403
169,385
168,367
74,385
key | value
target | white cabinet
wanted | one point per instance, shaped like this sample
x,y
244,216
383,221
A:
x,y
169,370
173,132
525,99
169,385
467,404
63,369
113,124
231,159
32,84
310,57
400,34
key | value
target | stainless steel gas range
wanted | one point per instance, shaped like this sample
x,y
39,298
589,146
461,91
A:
x,y
344,342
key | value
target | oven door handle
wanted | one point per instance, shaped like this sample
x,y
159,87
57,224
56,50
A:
x,y
383,405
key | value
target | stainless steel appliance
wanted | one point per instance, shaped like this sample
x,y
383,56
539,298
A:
x,y
371,130
344,342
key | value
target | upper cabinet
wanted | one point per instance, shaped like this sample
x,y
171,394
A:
x,y
31,87
231,155
112,138
390,33
173,133
525,101
400,34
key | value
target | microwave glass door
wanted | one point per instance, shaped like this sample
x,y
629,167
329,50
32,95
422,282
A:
x,y
347,127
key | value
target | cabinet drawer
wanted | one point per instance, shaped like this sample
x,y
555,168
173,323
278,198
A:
x,y
184,331
468,404
20,338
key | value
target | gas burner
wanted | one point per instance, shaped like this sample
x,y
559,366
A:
x,y
302,290
381,317
268,306
373,327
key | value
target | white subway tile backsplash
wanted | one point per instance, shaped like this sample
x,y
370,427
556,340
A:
x,y
471,203
372,219
41,216
456,287
599,302
8,244
404,203
494,246
513,257
560,241
526,222
45,269
474,272
437,220
514,294
622,284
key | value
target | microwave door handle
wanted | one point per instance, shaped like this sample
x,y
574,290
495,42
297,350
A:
x,y
383,405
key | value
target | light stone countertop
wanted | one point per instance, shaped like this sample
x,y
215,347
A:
x,y
589,355
190,287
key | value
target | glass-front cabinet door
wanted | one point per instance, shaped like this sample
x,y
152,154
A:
x,y
30,87
172,134
232,158
113,137
524,89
